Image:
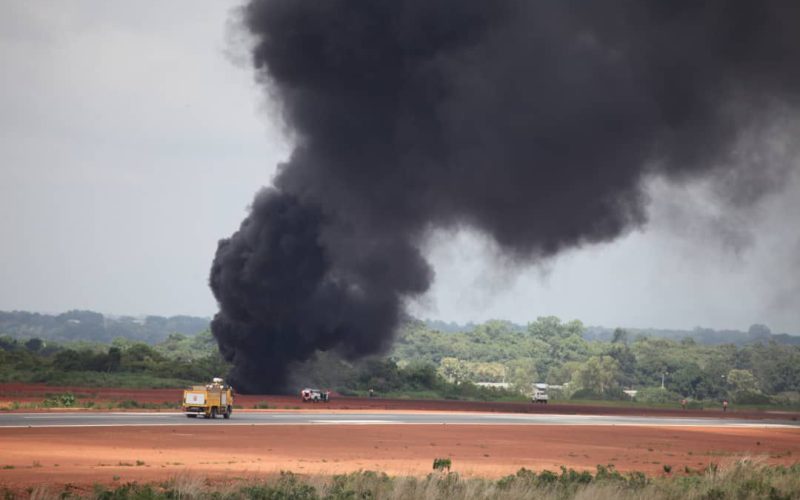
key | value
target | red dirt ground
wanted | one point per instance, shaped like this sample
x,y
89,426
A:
x,y
83,456
26,393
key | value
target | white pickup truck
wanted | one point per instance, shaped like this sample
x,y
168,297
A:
x,y
539,394
315,395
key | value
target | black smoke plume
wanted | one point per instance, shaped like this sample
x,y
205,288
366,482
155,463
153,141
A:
x,y
534,122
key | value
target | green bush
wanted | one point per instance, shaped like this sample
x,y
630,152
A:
x,y
608,473
751,398
442,464
609,395
658,395
65,400
788,398
637,480
287,487
547,477
571,477
359,485
128,404
129,491
523,475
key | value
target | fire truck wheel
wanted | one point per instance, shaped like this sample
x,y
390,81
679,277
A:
x,y
228,413
214,412
191,415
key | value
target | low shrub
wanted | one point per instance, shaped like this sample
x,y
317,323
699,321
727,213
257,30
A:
x,y
546,477
608,473
65,400
787,398
609,395
658,395
361,484
751,398
287,487
442,464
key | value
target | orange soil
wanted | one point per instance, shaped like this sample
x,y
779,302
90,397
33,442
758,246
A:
x,y
37,392
29,393
83,456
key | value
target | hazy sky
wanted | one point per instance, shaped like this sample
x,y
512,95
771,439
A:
x,y
133,137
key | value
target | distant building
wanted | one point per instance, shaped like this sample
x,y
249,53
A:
x,y
494,385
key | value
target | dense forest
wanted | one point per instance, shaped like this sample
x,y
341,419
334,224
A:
x,y
756,333
95,327
177,361
428,362
184,360
549,350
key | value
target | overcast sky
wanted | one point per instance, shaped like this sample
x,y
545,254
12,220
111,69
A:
x,y
133,137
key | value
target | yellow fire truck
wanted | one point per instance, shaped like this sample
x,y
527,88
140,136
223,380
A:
x,y
208,400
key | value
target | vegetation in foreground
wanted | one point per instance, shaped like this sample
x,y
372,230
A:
x,y
743,480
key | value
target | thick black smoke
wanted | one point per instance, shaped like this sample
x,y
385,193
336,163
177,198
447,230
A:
x,y
532,121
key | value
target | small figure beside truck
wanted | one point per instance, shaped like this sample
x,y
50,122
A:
x,y
208,400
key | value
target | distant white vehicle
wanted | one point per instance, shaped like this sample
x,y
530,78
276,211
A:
x,y
314,395
540,393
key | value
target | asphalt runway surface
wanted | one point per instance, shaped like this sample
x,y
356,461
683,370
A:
x,y
112,419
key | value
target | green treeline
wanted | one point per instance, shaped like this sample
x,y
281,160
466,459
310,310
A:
x,y
95,327
426,362
182,360
387,377
549,350
177,361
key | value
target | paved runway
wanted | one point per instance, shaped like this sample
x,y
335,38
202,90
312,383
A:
x,y
111,419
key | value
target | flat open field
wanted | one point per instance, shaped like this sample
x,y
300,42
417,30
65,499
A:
x,y
225,450
83,456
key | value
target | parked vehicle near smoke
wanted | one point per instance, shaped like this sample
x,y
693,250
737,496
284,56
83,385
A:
x,y
540,393
315,395
208,400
